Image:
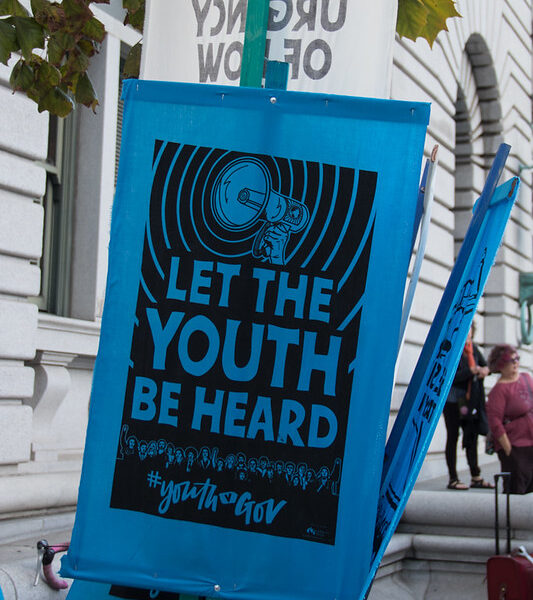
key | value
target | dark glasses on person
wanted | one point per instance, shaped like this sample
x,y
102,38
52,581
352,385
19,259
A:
x,y
514,360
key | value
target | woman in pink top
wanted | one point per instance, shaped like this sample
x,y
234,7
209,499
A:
x,y
510,416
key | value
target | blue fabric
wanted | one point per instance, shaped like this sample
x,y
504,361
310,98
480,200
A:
x,y
91,590
436,367
481,207
259,250
85,590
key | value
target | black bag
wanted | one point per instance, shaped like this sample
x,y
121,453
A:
x,y
489,444
483,424
458,396
462,404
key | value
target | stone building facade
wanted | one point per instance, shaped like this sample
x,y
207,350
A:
x,y
55,213
478,80
56,191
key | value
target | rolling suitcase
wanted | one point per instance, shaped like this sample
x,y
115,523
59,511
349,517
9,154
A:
x,y
509,576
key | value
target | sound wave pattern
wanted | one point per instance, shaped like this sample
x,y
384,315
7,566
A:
x,y
337,237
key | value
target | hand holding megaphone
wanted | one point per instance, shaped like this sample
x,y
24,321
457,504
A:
x,y
243,195
270,243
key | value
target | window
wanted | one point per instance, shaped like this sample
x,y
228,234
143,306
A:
x,y
66,275
58,204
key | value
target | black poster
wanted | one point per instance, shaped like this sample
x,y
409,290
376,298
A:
x,y
236,406
129,593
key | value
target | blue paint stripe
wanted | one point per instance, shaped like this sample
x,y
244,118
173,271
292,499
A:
x,y
311,218
147,291
158,157
368,229
345,226
164,199
326,222
152,252
352,314
178,202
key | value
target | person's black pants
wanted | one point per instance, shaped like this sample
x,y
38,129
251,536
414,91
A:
x,y
520,464
453,423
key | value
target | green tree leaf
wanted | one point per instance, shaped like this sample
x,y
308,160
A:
x,y
22,76
47,76
87,47
412,18
438,12
68,84
29,35
55,51
135,14
56,102
133,5
64,40
424,18
85,93
132,64
71,35
77,10
77,61
49,15
13,7
94,30
33,94
40,6
8,40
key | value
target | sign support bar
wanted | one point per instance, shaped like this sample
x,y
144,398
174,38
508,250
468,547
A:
x,y
253,52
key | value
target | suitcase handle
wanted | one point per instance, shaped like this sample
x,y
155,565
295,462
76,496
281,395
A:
x,y
503,476
523,552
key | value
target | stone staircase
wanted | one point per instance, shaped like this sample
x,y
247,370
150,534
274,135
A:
x,y
444,540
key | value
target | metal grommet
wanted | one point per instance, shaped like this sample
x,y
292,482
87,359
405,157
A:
x,y
273,100
216,588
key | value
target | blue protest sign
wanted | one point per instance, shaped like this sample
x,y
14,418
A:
x,y
433,375
258,258
422,221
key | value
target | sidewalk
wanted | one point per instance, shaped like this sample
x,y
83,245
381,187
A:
x,y
18,563
433,510
18,555
439,484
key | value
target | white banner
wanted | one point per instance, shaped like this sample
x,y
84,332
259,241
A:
x,y
332,46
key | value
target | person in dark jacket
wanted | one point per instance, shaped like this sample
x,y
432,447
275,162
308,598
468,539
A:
x,y
465,409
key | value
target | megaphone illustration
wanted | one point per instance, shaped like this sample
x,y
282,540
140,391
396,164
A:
x,y
243,195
